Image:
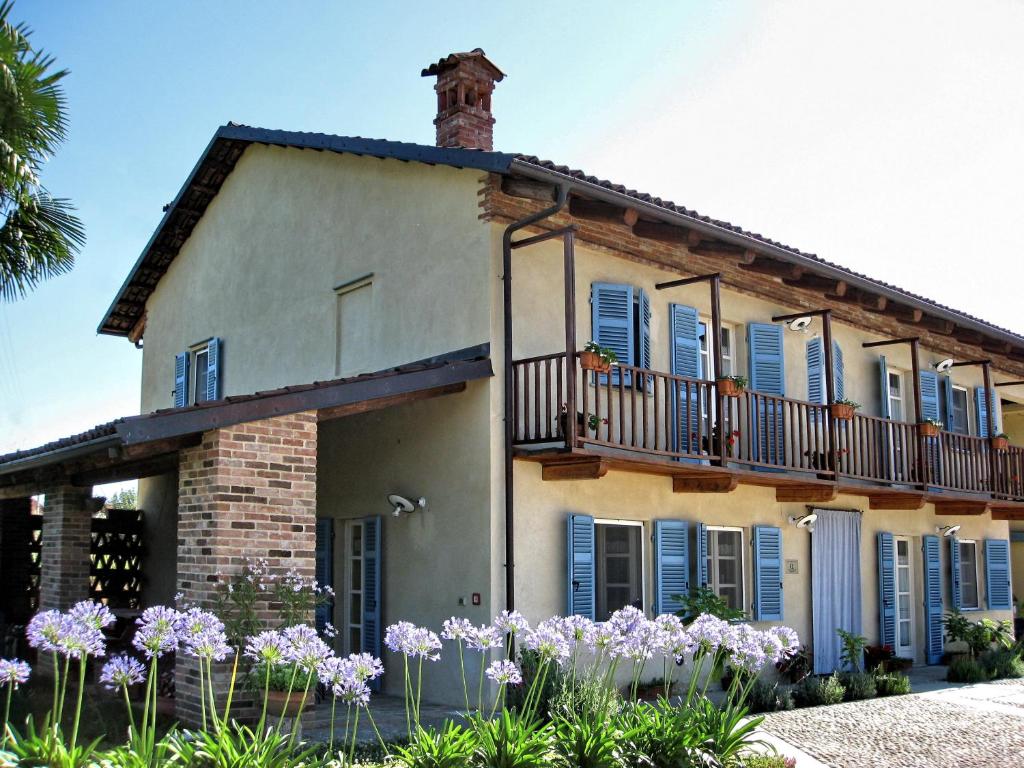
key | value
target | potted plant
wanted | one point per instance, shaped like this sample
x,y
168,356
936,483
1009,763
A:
x,y
731,386
592,422
1000,442
594,357
930,428
284,688
843,410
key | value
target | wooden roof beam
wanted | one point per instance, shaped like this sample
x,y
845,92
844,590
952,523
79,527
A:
x,y
595,210
775,268
666,233
532,190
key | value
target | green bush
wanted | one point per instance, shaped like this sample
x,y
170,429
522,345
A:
x,y
1001,663
448,748
964,669
815,691
769,761
859,685
767,697
892,684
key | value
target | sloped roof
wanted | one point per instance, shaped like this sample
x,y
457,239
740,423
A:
x,y
230,141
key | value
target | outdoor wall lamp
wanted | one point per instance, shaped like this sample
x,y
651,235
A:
x,y
806,521
944,365
400,504
947,530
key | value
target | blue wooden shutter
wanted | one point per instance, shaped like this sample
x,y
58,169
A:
x,y
324,567
955,593
815,371
213,357
997,574
181,380
671,565
702,555
580,558
838,372
886,590
981,410
644,358
767,573
767,376
932,600
612,313
685,360
883,389
373,556
929,396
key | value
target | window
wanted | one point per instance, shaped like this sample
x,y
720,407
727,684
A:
x,y
968,574
621,321
618,567
895,394
725,564
706,364
354,340
200,364
354,589
960,417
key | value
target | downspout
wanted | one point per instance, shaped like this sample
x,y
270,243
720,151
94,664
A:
x,y
506,267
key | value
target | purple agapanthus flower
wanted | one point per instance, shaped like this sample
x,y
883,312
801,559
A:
x,y
398,637
158,629
90,614
80,640
709,633
45,629
410,640
14,672
456,628
268,647
511,622
366,666
578,630
304,647
353,691
788,638
201,634
504,672
548,642
122,671
484,638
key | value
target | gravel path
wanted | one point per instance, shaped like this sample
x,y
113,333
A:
x,y
980,725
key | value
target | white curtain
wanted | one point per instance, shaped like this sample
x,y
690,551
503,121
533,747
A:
x,y
835,583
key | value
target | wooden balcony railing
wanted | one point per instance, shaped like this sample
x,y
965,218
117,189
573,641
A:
x,y
640,411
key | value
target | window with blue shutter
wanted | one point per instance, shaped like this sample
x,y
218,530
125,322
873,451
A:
x,y
213,358
644,338
767,544
883,387
685,361
767,376
324,568
997,575
955,590
886,590
838,372
614,322
580,558
816,384
702,555
932,599
373,556
947,396
929,396
671,565
181,380
981,410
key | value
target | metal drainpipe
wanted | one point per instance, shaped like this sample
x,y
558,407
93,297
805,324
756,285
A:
x,y
506,266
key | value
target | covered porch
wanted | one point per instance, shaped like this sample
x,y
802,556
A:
x,y
240,476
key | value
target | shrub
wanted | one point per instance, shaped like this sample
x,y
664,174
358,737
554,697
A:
x,y
892,684
448,748
859,685
853,650
587,742
964,669
766,697
798,666
1001,663
769,761
815,691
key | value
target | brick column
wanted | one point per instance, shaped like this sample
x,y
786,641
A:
x,y
247,491
67,520
15,559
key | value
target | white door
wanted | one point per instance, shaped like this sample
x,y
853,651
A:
x,y
904,599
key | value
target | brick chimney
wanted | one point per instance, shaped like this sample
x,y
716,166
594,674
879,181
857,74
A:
x,y
464,85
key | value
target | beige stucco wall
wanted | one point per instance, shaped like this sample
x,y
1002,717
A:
x,y
287,228
542,507
437,449
539,323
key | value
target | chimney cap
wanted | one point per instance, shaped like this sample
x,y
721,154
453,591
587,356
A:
x,y
452,60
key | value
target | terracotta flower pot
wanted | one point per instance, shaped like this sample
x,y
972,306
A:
x,y
591,361
1000,443
928,429
276,703
843,411
728,388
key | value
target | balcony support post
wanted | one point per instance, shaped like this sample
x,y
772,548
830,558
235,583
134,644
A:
x,y
915,363
990,408
569,267
830,392
716,329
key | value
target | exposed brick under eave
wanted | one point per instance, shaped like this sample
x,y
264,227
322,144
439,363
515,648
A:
x,y
619,240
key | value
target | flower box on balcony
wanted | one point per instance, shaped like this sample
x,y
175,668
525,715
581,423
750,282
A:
x,y
843,411
730,386
591,361
929,429
1000,443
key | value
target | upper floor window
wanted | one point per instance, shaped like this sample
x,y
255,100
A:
x,y
959,416
707,359
621,316
894,380
197,373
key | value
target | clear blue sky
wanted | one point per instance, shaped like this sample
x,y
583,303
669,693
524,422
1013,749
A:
x,y
797,122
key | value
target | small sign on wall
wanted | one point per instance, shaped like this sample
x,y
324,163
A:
x,y
792,566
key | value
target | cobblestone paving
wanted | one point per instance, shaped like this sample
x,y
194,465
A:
x,y
972,726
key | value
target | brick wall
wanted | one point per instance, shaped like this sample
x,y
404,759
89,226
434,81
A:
x,y
247,491
67,520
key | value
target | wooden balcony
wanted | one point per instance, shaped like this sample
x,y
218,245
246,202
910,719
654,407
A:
x,y
655,422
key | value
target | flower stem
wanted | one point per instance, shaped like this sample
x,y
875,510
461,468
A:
x,y
78,704
419,690
7,708
287,698
302,704
330,741
462,668
383,744
266,696
128,704
355,734
202,693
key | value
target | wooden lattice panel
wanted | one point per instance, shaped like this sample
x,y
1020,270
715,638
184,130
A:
x,y
115,577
